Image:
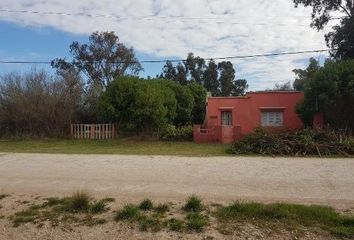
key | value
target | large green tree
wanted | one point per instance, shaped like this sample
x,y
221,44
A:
x,y
102,60
239,87
341,39
331,91
303,77
227,77
211,82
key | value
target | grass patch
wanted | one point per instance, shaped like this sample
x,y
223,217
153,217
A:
x,y
118,146
129,212
78,208
193,204
146,205
26,216
196,222
162,208
290,214
150,223
175,225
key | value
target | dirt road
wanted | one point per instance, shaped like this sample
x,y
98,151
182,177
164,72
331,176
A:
x,y
222,179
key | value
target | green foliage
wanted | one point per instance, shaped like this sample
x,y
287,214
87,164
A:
x,y
193,204
199,94
152,223
312,216
77,208
303,142
129,212
134,104
172,133
196,221
96,59
162,208
185,102
303,77
341,39
97,207
79,202
146,205
175,224
147,106
330,91
227,77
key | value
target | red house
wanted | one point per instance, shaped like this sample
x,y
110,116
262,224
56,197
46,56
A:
x,y
231,118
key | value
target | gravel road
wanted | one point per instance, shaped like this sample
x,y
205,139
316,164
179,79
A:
x,y
167,178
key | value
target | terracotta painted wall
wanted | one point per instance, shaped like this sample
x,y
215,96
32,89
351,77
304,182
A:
x,y
246,110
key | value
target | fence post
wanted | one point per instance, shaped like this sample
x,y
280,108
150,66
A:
x,y
71,130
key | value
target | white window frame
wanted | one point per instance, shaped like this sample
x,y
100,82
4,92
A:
x,y
272,119
226,118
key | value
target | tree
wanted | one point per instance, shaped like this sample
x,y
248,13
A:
x,y
283,87
196,67
169,71
135,104
331,91
341,39
102,60
227,76
211,82
182,72
304,76
199,94
239,87
38,104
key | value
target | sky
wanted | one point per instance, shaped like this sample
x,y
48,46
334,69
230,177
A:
x,y
167,29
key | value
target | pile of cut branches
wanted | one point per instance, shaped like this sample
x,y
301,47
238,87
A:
x,y
300,143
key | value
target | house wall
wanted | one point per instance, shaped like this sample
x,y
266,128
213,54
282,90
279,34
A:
x,y
246,111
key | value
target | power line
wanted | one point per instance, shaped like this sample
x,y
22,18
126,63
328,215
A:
x,y
154,17
180,60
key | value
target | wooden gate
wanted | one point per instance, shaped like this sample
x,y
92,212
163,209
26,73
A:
x,y
93,131
227,134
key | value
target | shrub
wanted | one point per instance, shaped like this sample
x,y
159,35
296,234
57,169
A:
x,y
300,143
196,221
146,205
172,133
175,224
162,208
97,207
79,202
129,212
193,204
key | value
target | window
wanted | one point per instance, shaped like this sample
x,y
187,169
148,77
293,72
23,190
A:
x,y
226,118
272,119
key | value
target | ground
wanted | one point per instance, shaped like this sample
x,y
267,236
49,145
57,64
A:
x,y
131,178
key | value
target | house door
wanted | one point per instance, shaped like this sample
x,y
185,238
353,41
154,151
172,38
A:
x,y
227,128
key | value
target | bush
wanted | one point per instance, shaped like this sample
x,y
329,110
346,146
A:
x,y
193,204
79,202
172,133
175,224
196,222
146,205
300,143
37,104
129,212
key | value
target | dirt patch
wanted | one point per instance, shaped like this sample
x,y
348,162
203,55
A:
x,y
168,178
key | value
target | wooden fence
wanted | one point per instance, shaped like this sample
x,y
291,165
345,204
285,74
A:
x,y
93,131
